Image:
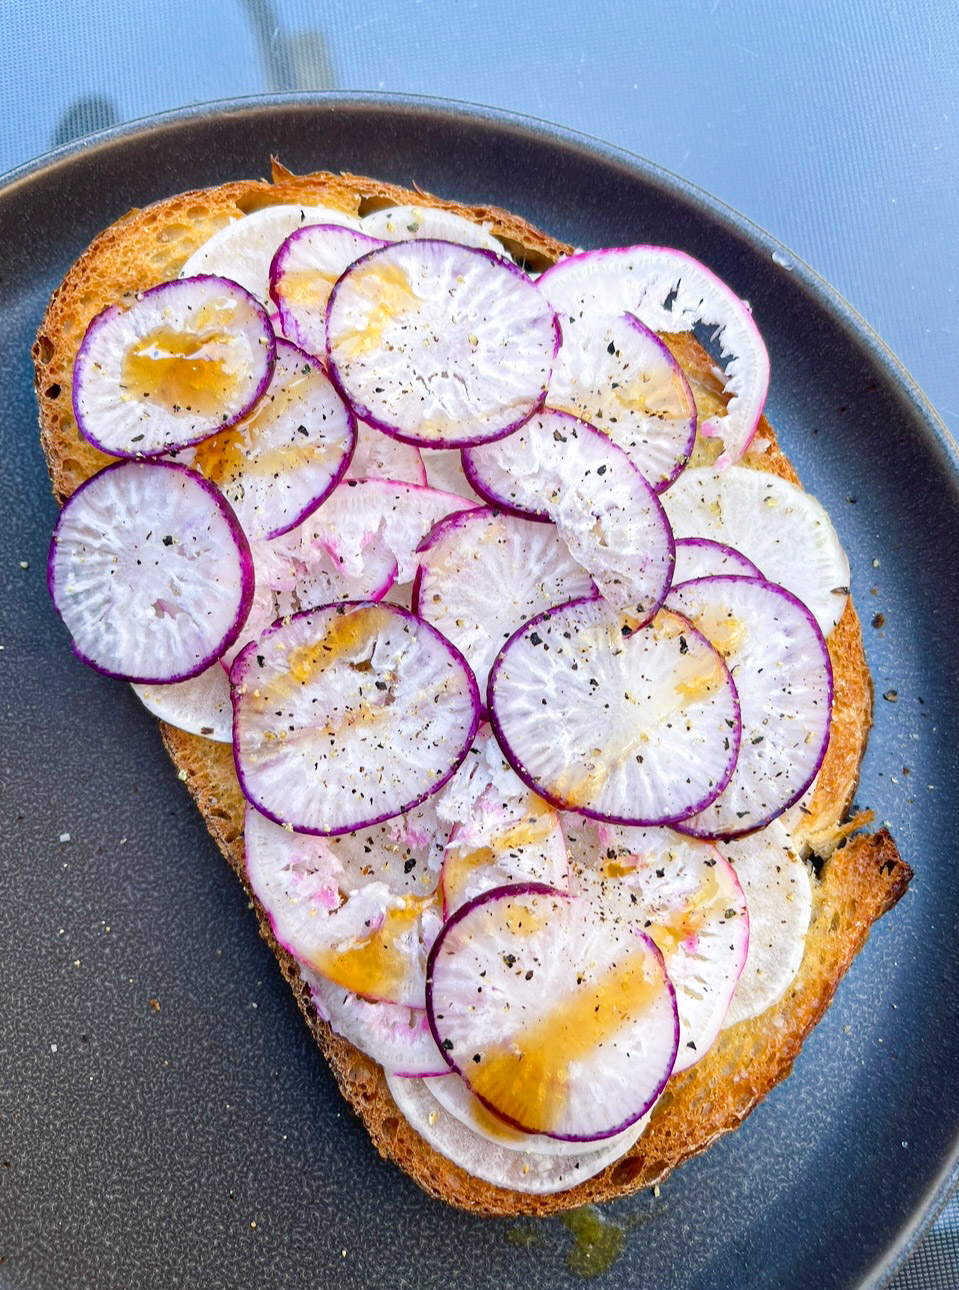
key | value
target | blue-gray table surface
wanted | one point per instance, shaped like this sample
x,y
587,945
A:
x,y
833,125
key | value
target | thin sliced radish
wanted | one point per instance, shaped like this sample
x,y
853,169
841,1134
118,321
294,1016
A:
x,y
631,724
703,558
244,249
779,896
397,1037
621,378
444,470
482,574
185,359
302,275
377,456
345,907
559,468
200,706
783,530
559,1017
530,1172
150,572
349,714
502,832
440,344
694,911
404,223
777,654
669,291
277,465
454,1096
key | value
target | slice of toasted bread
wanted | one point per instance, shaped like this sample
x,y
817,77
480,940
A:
x,y
860,878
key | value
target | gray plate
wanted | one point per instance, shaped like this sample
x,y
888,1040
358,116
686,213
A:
x,y
164,1117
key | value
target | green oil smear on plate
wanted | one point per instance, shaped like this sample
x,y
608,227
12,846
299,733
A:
x,y
598,1241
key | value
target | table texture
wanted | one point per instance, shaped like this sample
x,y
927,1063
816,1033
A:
x,y
835,126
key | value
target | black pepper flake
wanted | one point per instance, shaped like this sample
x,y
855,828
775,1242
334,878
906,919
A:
x,y
611,348
509,959
600,470
409,866
535,638
477,1058
683,645
448,1045
168,540
529,975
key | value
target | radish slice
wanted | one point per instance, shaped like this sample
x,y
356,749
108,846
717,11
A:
x,y
444,470
562,469
278,464
244,249
397,1037
404,223
454,1096
361,909
779,895
502,833
702,558
483,574
184,360
200,706
440,344
694,911
150,572
775,650
377,456
302,275
621,378
348,714
530,1172
669,291
559,1017
631,724
783,530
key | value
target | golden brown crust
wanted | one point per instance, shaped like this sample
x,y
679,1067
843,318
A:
x,y
861,878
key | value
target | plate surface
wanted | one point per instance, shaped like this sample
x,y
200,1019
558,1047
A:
x,y
164,1118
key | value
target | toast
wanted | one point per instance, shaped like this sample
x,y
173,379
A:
x,y
858,876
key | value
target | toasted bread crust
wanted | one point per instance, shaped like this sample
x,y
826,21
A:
x,y
862,877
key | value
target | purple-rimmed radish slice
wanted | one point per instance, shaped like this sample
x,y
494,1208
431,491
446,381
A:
x,y
377,456
694,910
783,530
302,275
779,896
501,831
561,469
185,359
621,378
559,1018
350,909
396,1036
631,724
277,465
200,706
440,344
404,223
349,714
150,572
244,249
483,573
703,558
669,291
774,648
532,1172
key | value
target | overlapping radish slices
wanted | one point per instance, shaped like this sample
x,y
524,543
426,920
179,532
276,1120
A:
x,y
532,923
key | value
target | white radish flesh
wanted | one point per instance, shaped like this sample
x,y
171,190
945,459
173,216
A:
x,y
440,344
348,714
783,530
559,468
631,724
185,359
403,223
150,572
394,1035
200,706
